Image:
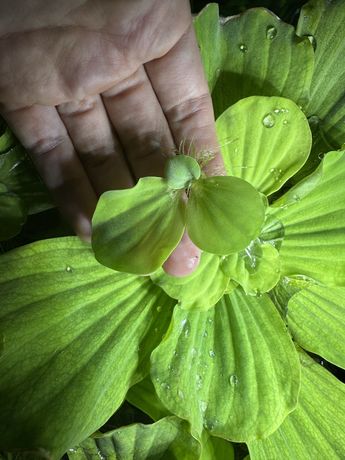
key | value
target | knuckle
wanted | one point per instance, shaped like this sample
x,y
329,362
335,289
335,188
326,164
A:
x,y
190,108
77,108
45,145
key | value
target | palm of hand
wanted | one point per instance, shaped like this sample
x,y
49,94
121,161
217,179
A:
x,y
98,92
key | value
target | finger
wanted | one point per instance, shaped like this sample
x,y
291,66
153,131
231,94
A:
x,y
179,82
140,124
94,140
180,85
145,135
185,258
42,133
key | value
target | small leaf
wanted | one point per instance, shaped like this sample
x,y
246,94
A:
x,y
200,290
71,327
256,269
315,430
223,214
181,170
7,140
140,442
12,214
312,226
135,230
271,141
316,318
20,177
232,370
252,54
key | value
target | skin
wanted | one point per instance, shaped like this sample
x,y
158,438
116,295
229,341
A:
x,y
100,93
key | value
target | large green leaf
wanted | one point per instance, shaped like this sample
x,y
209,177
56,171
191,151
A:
x,y
252,54
232,370
315,430
74,336
143,395
166,439
324,20
135,230
223,214
311,224
200,290
316,318
270,141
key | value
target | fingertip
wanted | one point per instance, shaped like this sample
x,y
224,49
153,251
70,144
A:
x,y
184,260
83,228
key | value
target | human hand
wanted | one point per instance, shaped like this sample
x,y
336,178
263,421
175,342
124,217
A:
x,y
100,92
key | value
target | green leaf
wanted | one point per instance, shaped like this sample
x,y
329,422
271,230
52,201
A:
x,y
315,430
256,269
200,290
71,327
216,448
286,288
270,141
313,225
20,178
181,170
223,214
12,213
135,230
232,370
143,396
252,54
316,318
323,21
140,442
7,140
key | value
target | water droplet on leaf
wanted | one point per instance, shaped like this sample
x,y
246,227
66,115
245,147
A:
x,y
211,354
202,406
198,381
69,269
243,48
268,120
271,33
165,386
233,380
180,394
159,308
312,40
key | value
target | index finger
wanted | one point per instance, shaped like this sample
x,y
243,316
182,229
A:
x,y
181,88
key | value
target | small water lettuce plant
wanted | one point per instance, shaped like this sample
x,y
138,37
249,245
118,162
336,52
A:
x,y
135,230
240,350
